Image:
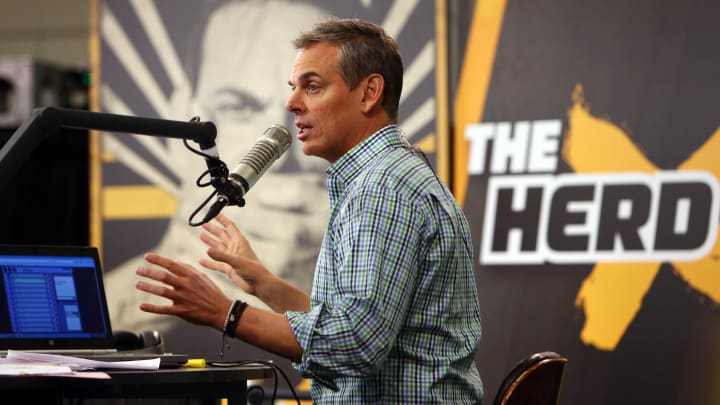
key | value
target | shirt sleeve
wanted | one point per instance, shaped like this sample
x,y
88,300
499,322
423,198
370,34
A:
x,y
376,238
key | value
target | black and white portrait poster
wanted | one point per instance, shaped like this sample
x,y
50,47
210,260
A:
x,y
229,62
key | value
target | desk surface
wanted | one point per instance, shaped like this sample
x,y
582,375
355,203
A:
x,y
210,382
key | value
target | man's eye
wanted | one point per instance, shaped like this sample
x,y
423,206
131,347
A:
x,y
237,105
313,88
239,108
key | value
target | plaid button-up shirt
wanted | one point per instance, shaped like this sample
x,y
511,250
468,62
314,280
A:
x,y
394,313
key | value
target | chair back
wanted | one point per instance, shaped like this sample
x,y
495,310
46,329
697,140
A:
x,y
535,380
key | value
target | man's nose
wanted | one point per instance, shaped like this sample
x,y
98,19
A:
x,y
293,103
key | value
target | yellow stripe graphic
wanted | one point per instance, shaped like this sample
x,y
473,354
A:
x,y
440,144
474,82
137,202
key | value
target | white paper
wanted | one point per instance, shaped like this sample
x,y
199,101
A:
x,y
78,364
24,368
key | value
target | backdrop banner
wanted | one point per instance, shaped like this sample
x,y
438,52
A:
x,y
586,149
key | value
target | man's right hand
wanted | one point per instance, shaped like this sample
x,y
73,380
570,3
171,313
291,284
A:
x,y
230,253
229,244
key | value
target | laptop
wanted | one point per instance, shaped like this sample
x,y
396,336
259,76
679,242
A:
x,y
52,300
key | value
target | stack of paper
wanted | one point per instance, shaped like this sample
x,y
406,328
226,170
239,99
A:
x,y
69,363
9,367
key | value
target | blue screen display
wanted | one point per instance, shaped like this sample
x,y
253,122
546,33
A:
x,y
50,297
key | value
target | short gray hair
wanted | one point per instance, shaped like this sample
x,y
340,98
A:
x,y
365,49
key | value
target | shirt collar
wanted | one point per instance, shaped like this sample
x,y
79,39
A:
x,y
349,165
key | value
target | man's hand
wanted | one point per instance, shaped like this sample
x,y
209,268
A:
x,y
194,296
232,255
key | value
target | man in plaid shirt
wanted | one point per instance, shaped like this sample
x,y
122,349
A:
x,y
393,316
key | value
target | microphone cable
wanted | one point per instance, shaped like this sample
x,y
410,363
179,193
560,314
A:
x,y
220,167
275,369
217,171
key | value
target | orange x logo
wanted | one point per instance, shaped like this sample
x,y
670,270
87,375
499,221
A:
x,y
612,295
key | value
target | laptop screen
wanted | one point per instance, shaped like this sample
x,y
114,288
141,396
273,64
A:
x,y
52,297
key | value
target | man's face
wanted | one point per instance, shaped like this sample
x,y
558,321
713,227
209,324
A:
x,y
240,89
235,91
327,112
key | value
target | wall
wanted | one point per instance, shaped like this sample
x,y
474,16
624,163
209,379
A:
x,y
51,31
53,180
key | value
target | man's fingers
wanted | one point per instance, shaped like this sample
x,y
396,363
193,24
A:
x,y
225,221
209,240
173,266
216,266
156,309
226,269
213,229
155,258
152,288
222,256
155,274
228,226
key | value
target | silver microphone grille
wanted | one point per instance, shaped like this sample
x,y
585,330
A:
x,y
269,147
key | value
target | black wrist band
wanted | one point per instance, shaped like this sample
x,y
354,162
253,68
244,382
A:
x,y
233,317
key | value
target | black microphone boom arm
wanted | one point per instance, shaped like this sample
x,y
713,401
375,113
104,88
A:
x,y
48,120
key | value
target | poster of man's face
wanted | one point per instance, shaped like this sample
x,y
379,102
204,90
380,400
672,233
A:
x,y
227,62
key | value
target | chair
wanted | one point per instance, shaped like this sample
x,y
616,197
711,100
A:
x,y
535,380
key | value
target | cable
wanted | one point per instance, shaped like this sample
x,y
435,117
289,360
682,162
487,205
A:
x,y
276,369
218,174
201,206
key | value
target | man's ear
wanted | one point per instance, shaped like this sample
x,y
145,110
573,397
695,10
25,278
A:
x,y
373,87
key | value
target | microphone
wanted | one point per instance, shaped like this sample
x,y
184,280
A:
x,y
268,148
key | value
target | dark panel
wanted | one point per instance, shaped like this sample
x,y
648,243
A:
x,y
47,201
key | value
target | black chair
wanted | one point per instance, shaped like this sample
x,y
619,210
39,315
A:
x,y
535,380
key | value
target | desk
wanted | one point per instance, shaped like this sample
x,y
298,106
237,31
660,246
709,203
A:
x,y
201,383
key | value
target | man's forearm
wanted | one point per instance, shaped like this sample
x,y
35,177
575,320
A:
x,y
269,331
282,296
